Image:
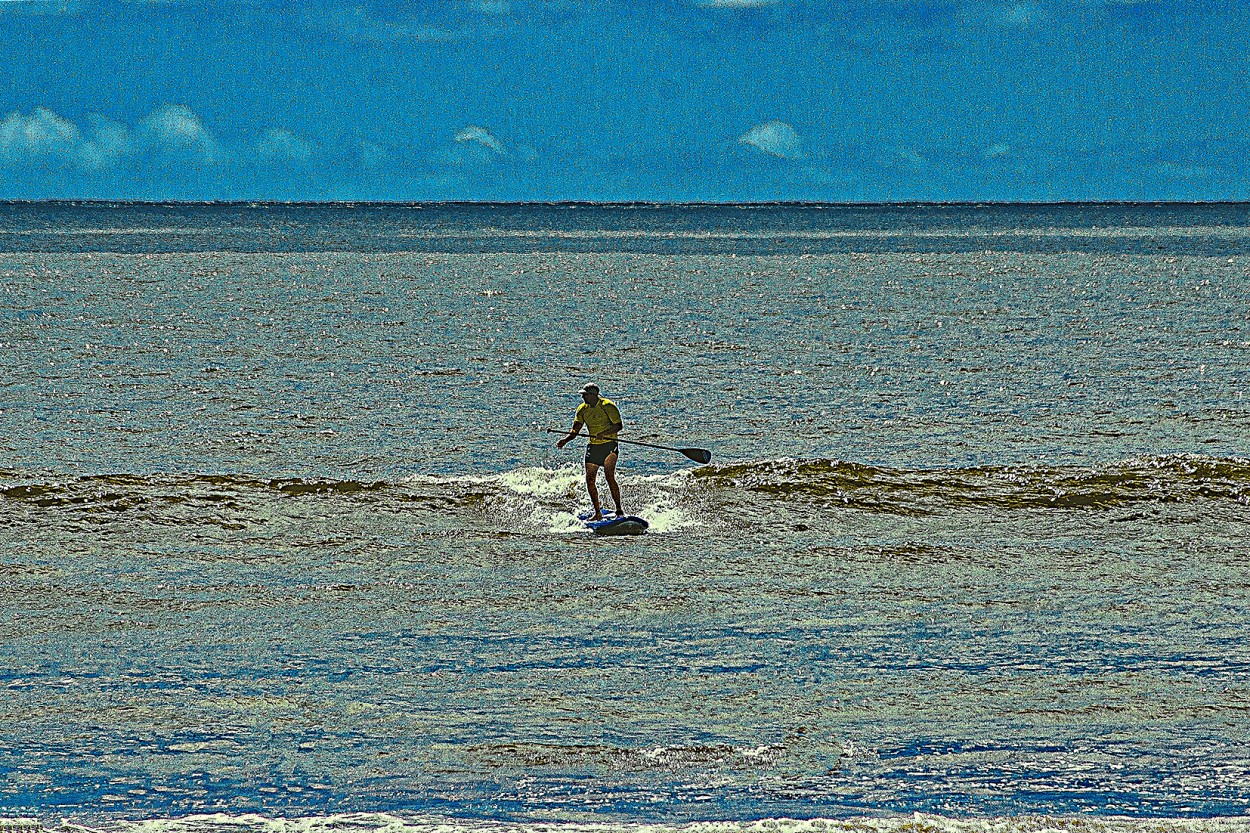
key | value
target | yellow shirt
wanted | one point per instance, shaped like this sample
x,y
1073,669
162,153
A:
x,y
598,418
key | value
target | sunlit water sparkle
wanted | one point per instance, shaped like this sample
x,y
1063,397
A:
x,y
284,546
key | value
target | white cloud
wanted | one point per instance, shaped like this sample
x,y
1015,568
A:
x,y
997,150
775,138
474,149
375,156
44,138
282,146
737,4
39,7
481,136
111,143
1184,172
358,26
1023,15
175,130
492,7
910,159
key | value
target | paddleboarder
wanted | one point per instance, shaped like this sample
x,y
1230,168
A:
x,y
603,422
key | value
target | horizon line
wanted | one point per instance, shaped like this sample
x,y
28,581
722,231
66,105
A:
x,y
576,203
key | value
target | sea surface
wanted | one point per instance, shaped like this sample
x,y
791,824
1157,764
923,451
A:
x,y
286,547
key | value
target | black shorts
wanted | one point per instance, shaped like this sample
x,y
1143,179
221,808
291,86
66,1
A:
x,y
598,453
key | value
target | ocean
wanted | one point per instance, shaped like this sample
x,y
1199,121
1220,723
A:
x,y
286,547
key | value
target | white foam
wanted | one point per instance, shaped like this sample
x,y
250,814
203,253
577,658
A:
x,y
540,497
750,752
916,823
530,480
551,498
548,499
541,482
560,523
20,825
665,517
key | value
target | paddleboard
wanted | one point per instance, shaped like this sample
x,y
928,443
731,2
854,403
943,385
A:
x,y
612,525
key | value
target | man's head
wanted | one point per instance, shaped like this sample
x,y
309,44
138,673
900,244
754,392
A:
x,y
590,393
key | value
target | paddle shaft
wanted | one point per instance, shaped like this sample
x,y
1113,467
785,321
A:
x,y
699,455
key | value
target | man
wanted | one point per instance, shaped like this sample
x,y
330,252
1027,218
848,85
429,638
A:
x,y
603,421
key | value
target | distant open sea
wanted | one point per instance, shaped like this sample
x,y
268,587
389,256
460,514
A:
x,y
285,549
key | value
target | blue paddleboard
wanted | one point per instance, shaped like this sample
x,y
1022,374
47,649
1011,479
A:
x,y
612,525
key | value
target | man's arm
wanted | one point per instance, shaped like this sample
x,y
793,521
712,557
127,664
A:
x,y
573,432
613,428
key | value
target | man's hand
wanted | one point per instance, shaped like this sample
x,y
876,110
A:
x,y
573,432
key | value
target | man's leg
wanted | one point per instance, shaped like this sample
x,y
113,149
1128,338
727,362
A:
x,y
592,471
609,471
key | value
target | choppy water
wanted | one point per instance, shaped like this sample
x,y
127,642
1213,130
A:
x,y
283,547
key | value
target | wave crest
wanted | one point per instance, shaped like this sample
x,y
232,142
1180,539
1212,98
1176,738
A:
x,y
910,823
549,498
833,483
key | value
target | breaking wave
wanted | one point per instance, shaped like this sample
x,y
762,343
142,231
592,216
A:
x,y
522,500
913,823
549,497
833,484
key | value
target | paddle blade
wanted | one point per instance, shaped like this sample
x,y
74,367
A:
x,y
699,455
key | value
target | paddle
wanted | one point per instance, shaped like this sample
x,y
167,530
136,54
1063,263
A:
x,y
699,455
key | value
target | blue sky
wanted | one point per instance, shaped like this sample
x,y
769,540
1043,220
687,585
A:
x,y
667,100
